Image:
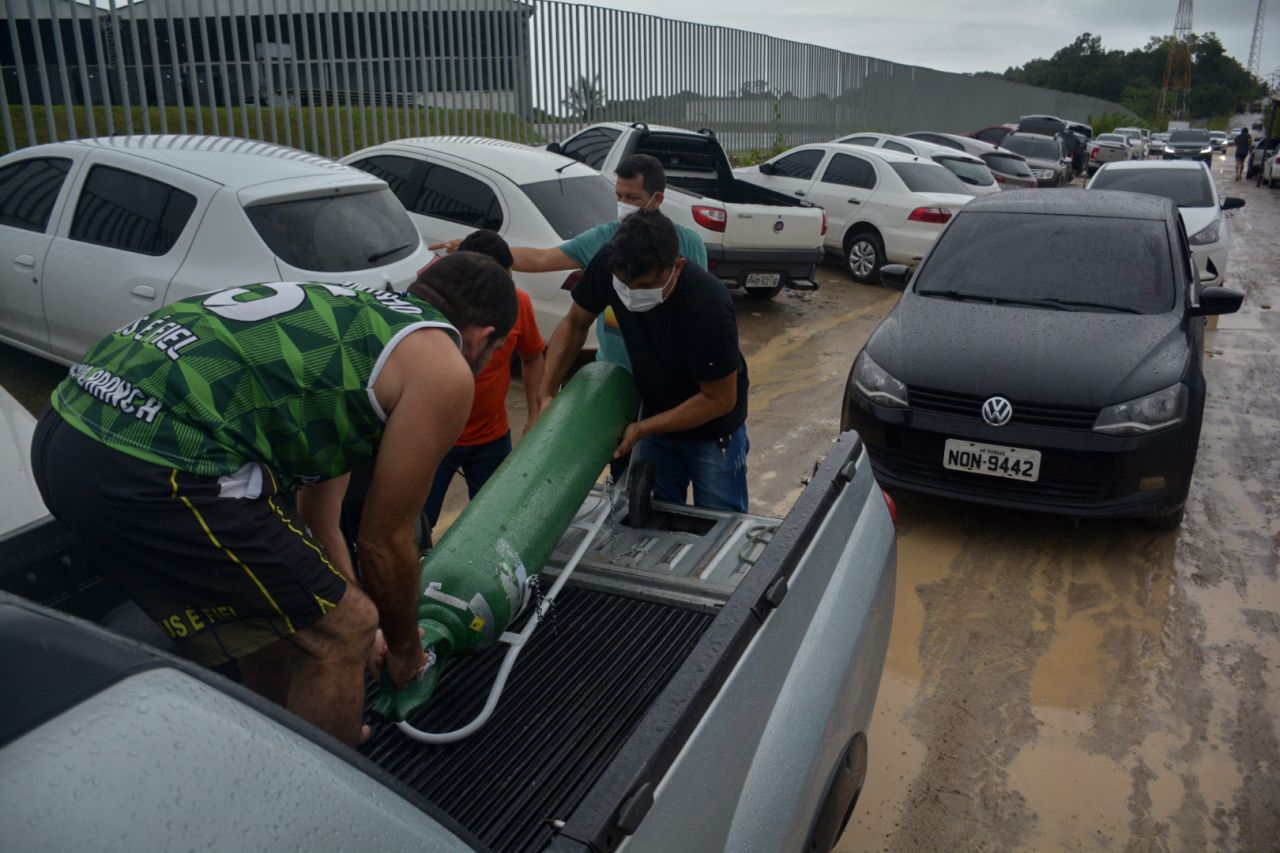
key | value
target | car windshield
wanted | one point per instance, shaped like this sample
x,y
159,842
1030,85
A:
x,y
1189,136
574,205
968,171
343,233
1042,148
1082,263
928,178
1007,165
1184,187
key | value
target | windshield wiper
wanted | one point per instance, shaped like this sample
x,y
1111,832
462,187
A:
x,y
1106,306
997,300
377,256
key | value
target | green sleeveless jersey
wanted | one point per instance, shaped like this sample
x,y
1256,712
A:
x,y
279,375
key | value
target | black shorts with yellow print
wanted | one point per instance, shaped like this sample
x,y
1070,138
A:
x,y
222,576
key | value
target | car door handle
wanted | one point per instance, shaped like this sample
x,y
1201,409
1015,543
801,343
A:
x,y
144,291
855,201
800,193
26,263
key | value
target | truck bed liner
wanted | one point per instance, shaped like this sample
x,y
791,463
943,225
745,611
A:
x,y
576,693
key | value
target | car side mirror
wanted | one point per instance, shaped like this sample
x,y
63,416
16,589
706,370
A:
x,y
554,148
767,169
1214,300
896,276
1232,203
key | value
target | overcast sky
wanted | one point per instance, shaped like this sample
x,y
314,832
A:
x,y
974,35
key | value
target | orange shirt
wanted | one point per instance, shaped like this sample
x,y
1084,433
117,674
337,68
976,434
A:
x,y
488,421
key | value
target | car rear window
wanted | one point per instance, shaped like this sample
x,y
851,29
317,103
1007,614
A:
x,y
342,233
928,178
969,172
1112,137
1189,136
1006,165
1042,148
1121,264
1184,187
574,205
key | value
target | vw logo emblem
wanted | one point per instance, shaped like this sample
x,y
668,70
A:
x,y
778,226
997,411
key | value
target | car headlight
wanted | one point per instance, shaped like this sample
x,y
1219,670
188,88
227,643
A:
x,y
1207,234
1208,149
1045,173
1145,414
876,384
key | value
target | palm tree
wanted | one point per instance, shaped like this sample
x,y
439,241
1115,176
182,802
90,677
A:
x,y
585,98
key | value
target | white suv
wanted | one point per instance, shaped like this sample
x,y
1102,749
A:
x,y
97,232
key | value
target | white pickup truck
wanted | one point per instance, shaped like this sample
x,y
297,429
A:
x,y
756,239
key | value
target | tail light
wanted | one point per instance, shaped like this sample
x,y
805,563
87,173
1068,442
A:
x,y
936,215
1034,183
1093,153
824,224
571,280
893,507
999,178
710,218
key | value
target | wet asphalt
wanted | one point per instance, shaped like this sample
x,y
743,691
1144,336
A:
x,y
1050,683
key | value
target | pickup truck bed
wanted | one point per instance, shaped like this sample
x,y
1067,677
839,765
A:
x,y
700,626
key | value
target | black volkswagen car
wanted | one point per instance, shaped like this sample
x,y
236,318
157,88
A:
x,y
1046,355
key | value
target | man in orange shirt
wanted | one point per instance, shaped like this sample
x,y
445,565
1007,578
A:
x,y
486,439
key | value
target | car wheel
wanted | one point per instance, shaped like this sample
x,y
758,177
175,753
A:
x,y
1170,521
864,256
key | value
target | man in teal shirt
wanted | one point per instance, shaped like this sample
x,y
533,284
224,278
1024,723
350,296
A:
x,y
641,185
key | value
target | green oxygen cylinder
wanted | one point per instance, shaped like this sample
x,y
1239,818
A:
x,y
475,581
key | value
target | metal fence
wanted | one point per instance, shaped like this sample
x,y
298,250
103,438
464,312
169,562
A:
x,y
333,76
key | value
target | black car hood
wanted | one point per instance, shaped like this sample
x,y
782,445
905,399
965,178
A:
x,y
1188,146
1074,358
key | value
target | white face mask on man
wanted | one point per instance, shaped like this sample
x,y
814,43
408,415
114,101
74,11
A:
x,y
646,299
625,210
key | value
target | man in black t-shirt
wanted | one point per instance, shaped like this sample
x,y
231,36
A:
x,y
681,332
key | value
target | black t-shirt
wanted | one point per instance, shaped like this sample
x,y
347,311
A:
x,y
1243,140
691,337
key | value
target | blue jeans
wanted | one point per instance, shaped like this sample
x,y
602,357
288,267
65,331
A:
x,y
477,463
718,474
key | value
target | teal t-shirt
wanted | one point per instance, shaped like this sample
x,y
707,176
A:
x,y
586,245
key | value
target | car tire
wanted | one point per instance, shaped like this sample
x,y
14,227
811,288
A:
x,y
1169,521
863,256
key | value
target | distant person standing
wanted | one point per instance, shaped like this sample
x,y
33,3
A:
x,y
1243,141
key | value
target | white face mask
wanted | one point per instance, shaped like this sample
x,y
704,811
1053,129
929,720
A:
x,y
639,301
625,210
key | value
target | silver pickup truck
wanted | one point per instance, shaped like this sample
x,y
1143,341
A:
x,y
704,682
756,239
1109,148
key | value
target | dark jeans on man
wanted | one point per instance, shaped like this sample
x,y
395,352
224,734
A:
x,y
717,469
477,463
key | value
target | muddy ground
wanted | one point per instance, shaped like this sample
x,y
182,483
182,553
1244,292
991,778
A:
x,y
1050,684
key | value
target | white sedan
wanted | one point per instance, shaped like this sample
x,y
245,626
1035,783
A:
x,y
1190,186
883,206
969,168
454,185
97,232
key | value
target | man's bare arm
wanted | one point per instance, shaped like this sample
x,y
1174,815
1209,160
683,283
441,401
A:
x,y
428,388
713,399
531,372
526,258
320,509
566,342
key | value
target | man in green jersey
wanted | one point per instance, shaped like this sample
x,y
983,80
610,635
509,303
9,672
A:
x,y
168,447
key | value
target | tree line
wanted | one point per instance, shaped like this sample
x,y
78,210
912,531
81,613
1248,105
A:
x,y
1220,85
